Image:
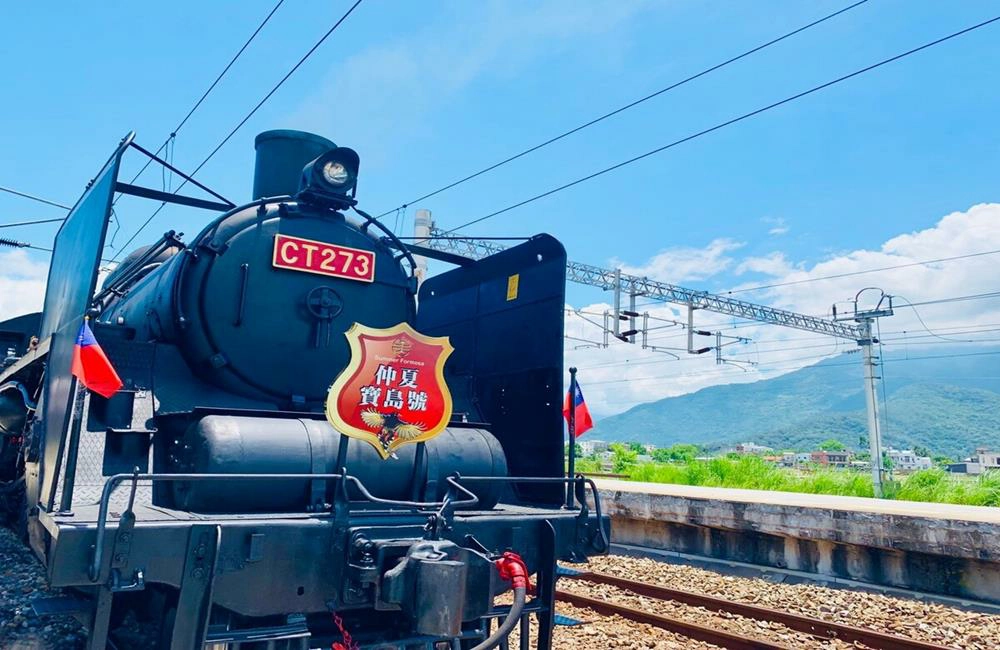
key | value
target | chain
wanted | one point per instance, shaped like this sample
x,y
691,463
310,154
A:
x,y
349,643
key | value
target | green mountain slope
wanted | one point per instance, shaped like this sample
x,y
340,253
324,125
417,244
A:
x,y
950,405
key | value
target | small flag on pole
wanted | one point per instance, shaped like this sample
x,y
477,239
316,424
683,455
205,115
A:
x,y
91,365
583,421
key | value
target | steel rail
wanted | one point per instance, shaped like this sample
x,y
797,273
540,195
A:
x,y
814,626
685,628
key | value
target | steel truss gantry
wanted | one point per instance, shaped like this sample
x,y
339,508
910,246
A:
x,y
856,326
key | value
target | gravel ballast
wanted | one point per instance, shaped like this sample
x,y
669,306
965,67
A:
x,y
948,626
23,581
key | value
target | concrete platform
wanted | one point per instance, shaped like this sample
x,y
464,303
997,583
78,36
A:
x,y
935,548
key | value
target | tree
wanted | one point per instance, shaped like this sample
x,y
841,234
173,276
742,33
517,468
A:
x,y
623,458
637,447
920,450
832,444
679,452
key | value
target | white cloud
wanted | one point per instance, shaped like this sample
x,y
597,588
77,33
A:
x,y
393,85
778,226
775,264
22,284
624,375
685,263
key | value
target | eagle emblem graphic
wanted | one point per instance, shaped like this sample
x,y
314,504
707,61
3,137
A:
x,y
390,427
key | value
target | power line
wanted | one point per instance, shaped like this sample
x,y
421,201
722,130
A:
x,y
33,197
853,273
975,296
921,320
934,301
722,125
169,138
623,108
243,121
905,340
204,95
31,223
828,365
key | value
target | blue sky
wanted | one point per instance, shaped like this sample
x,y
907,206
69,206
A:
x,y
428,92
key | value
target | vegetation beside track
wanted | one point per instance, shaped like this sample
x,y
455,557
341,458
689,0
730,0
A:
x,y
754,473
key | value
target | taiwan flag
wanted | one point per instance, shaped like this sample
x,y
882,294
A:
x,y
91,365
583,421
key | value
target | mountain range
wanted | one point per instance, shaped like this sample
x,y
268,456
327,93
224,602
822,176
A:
x,y
940,398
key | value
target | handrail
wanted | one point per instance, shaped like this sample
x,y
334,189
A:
x,y
448,502
114,481
579,480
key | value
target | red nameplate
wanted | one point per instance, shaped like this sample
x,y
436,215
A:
x,y
319,257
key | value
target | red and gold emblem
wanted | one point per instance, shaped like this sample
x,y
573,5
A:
x,y
392,391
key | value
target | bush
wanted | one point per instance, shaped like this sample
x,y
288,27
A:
x,y
751,472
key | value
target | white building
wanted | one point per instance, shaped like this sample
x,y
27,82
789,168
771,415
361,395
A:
x,y
983,460
905,460
591,447
751,448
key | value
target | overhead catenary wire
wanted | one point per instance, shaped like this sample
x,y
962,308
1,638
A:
x,y
624,108
33,197
988,295
730,122
209,90
828,365
33,222
172,135
854,273
245,119
908,338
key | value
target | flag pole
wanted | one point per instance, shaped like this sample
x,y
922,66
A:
x,y
571,470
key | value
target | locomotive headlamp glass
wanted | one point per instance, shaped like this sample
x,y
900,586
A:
x,y
335,173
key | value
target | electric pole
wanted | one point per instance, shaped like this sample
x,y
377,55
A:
x,y
865,319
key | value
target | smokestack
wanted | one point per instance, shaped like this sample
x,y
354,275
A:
x,y
281,155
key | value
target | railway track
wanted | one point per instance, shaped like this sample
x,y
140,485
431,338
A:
x,y
815,627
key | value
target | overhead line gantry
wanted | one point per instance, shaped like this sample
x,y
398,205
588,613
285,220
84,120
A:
x,y
855,326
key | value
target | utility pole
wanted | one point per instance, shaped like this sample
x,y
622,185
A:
x,y
865,319
422,225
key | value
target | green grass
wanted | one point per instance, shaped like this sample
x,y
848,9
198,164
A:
x,y
750,472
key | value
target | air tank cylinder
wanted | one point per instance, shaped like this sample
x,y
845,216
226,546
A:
x,y
221,444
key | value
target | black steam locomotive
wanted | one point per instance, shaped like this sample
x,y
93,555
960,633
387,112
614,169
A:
x,y
212,497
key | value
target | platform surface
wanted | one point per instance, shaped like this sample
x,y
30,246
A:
x,y
801,500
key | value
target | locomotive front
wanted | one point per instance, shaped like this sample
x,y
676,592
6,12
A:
x,y
226,502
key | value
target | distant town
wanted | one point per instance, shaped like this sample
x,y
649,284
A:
x,y
830,454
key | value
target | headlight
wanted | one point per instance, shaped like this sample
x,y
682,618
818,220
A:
x,y
335,173
331,179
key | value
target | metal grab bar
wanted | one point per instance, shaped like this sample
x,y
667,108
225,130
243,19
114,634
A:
x,y
453,481
116,480
471,501
579,480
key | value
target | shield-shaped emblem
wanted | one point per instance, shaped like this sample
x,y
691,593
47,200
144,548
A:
x,y
392,391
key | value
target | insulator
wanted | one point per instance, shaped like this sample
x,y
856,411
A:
x,y
13,243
